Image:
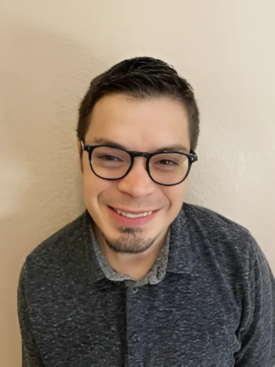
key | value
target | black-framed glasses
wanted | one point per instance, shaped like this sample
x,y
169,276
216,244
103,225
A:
x,y
167,168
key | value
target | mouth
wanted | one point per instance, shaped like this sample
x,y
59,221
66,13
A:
x,y
129,214
130,217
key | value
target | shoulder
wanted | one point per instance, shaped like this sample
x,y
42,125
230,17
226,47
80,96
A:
x,y
60,250
220,236
213,224
221,245
56,269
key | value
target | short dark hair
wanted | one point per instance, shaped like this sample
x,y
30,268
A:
x,y
140,77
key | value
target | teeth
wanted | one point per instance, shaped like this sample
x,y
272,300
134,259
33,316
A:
x,y
130,215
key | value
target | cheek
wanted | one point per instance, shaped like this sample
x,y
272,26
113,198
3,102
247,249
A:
x,y
92,186
176,195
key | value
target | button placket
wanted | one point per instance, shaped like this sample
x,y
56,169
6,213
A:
x,y
134,328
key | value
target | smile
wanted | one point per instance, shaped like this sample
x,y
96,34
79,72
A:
x,y
132,215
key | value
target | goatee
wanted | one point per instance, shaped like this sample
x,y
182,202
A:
x,y
130,242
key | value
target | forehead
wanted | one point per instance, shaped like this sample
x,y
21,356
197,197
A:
x,y
141,124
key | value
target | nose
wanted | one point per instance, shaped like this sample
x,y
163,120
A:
x,y
137,183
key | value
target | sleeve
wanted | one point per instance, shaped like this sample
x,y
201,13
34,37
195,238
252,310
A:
x,y
257,329
30,353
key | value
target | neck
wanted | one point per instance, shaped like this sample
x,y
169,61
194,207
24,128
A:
x,y
134,265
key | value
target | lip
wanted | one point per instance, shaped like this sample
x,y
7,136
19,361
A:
x,y
131,222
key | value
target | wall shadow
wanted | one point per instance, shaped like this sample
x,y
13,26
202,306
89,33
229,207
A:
x,y
43,77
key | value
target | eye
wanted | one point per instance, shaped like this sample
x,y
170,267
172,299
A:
x,y
167,162
109,158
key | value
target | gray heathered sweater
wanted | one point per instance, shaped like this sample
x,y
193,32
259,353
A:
x,y
215,306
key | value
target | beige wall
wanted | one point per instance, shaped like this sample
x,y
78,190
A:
x,y
49,51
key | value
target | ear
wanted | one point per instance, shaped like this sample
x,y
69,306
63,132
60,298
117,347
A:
x,y
80,154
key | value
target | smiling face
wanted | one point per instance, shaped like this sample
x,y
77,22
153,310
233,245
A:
x,y
144,125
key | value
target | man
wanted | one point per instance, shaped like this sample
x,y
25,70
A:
x,y
141,279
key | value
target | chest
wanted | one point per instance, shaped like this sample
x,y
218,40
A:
x,y
183,321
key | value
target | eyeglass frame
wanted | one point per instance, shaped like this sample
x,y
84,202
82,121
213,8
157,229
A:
x,y
192,158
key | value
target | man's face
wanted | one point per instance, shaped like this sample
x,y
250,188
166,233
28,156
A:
x,y
144,125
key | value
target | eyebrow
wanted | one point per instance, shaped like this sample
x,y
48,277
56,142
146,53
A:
x,y
173,147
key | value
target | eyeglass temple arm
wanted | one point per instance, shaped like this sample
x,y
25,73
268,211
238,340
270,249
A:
x,y
194,156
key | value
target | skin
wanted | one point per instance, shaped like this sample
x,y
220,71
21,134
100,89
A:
x,y
140,125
